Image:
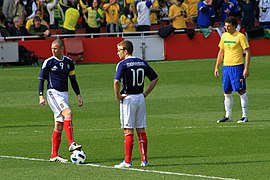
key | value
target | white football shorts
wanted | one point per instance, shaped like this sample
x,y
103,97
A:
x,y
133,112
58,101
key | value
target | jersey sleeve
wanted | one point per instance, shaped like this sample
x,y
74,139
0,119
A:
x,y
150,73
221,44
171,11
119,72
72,69
244,42
44,72
149,3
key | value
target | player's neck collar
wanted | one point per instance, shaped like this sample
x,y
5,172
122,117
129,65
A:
x,y
59,59
130,56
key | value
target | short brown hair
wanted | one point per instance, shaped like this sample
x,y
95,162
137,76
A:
x,y
231,20
127,45
36,18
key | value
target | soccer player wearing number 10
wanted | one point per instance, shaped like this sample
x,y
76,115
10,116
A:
x,y
131,71
56,70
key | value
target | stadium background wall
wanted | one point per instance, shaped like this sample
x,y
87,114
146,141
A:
x,y
174,47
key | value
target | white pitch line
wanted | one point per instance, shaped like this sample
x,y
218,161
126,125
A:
x,y
129,169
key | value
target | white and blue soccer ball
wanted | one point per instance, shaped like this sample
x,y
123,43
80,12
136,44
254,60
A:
x,y
78,157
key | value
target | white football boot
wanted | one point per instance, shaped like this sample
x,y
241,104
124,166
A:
x,y
123,165
74,147
58,159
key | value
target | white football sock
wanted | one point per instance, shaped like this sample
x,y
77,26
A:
x,y
244,104
228,103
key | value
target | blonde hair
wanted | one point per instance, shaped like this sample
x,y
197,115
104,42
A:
x,y
59,41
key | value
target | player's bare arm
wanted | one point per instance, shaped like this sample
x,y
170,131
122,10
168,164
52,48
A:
x,y
116,87
219,60
246,70
150,87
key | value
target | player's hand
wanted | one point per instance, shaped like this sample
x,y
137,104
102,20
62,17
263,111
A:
x,y
216,73
246,73
121,97
42,101
80,101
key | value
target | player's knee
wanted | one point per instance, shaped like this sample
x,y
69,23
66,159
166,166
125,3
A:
x,y
67,113
58,126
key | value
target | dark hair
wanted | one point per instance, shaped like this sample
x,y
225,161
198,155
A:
x,y
74,3
36,18
38,10
91,3
127,12
231,20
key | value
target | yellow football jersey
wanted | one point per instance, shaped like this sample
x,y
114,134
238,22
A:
x,y
233,45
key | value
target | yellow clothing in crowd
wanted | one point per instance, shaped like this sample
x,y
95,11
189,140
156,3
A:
x,y
71,18
153,15
193,7
112,13
180,21
124,20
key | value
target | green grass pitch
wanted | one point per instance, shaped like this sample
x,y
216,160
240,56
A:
x,y
185,142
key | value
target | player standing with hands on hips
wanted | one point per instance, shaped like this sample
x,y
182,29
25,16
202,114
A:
x,y
56,70
131,71
234,71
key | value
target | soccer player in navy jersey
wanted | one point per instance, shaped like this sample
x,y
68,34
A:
x,y
131,71
57,70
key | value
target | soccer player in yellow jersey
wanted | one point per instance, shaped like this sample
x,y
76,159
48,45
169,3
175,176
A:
x,y
235,70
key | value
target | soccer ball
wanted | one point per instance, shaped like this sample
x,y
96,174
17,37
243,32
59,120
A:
x,y
77,157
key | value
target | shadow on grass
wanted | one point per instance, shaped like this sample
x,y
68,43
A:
x,y
26,126
116,160
210,163
177,161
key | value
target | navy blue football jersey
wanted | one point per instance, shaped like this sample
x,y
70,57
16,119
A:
x,y
56,72
132,72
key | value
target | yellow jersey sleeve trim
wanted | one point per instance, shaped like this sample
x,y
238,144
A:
x,y
71,73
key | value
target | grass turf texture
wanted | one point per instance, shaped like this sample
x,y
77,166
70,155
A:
x,y
181,125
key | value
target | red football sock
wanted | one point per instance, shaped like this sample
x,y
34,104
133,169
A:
x,y
69,130
56,140
143,145
129,142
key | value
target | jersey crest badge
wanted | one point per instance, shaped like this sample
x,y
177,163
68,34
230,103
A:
x,y
54,68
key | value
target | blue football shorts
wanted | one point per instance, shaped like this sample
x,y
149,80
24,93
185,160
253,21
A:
x,y
233,79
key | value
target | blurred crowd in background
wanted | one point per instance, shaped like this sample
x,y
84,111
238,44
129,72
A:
x,y
40,17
